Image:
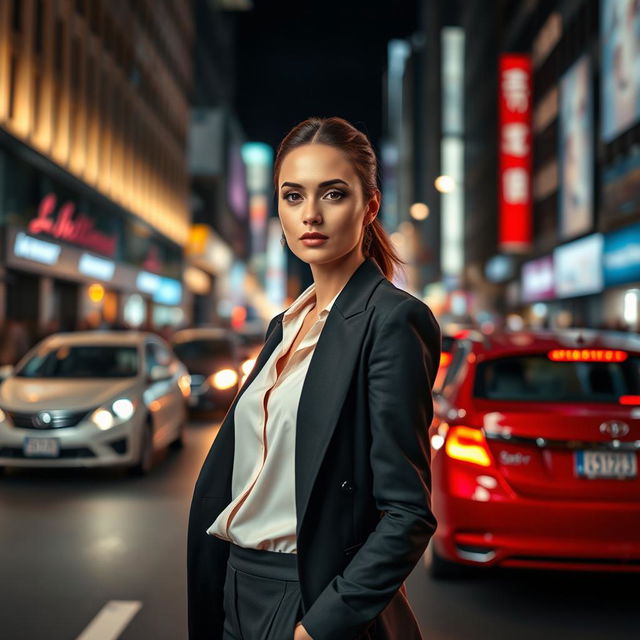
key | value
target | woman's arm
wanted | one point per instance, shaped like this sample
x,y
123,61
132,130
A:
x,y
402,367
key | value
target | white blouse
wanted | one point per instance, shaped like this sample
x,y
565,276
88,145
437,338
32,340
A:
x,y
262,511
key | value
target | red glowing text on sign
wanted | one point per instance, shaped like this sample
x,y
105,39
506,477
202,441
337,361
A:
x,y
515,152
587,355
79,230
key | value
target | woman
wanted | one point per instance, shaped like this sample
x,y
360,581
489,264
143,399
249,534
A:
x,y
313,504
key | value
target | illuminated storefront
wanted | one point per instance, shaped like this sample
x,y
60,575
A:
x,y
73,259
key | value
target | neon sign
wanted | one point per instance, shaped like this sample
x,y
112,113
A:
x,y
515,152
79,230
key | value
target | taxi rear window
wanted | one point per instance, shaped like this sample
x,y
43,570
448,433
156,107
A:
x,y
536,378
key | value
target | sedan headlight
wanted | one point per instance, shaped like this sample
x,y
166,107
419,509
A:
x,y
184,382
246,368
123,408
119,411
224,379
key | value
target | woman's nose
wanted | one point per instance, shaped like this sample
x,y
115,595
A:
x,y
312,213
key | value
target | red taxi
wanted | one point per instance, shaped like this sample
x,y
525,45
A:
x,y
535,446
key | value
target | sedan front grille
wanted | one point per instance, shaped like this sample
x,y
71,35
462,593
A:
x,y
46,419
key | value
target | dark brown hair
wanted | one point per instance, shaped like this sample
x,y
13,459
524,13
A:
x,y
342,135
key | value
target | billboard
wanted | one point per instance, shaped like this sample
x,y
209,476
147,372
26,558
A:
x,y
620,66
537,280
515,152
576,150
621,186
577,267
621,256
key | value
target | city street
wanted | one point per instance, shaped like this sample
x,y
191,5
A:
x,y
75,541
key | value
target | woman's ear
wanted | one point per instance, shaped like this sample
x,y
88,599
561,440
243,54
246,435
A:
x,y
373,207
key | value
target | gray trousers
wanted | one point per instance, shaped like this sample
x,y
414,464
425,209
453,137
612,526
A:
x,y
262,598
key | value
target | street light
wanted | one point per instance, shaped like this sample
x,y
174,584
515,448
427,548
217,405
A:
x,y
419,211
445,184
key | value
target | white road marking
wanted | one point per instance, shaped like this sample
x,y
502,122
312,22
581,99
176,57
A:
x,y
111,620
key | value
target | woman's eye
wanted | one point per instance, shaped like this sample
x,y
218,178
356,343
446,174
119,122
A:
x,y
335,195
292,196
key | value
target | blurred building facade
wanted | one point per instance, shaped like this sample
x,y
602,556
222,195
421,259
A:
x,y
218,198
94,112
581,263
233,241
550,178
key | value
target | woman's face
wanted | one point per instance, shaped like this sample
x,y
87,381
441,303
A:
x,y
320,193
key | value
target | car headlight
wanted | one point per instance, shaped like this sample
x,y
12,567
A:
x,y
247,365
184,382
123,408
224,379
103,419
119,411
3,416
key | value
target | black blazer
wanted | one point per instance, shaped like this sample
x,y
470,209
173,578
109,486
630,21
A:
x,y
362,465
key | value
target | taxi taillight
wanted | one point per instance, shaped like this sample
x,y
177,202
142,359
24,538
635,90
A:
x,y
445,359
629,399
587,355
467,444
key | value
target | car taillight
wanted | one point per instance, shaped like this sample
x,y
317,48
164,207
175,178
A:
x,y
629,399
445,359
467,444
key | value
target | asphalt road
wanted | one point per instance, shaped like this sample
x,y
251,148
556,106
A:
x,y
84,552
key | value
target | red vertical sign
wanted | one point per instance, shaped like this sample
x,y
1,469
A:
x,y
515,152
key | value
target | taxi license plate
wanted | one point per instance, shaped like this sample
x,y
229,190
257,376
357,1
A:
x,y
606,464
41,447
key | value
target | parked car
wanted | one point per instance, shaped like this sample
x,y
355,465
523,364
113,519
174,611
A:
x,y
448,342
94,398
251,339
450,335
535,445
212,357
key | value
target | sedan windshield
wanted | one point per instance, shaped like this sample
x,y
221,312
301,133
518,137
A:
x,y
536,378
82,361
203,349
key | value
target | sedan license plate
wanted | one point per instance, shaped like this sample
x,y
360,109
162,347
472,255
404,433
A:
x,y
41,447
606,464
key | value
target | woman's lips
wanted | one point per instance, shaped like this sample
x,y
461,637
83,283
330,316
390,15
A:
x,y
313,242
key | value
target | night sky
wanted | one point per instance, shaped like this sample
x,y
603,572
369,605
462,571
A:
x,y
315,58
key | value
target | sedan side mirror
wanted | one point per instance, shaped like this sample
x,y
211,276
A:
x,y
159,372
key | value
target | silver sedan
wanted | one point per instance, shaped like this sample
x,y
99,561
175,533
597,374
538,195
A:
x,y
94,398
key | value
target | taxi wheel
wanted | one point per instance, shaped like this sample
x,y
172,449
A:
x,y
440,568
145,461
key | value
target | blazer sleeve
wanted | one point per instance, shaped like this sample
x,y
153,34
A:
x,y
402,366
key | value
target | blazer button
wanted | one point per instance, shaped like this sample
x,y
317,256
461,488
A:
x,y
346,486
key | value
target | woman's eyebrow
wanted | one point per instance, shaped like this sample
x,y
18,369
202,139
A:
x,y
326,183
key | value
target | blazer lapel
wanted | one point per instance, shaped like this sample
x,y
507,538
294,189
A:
x,y
329,376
